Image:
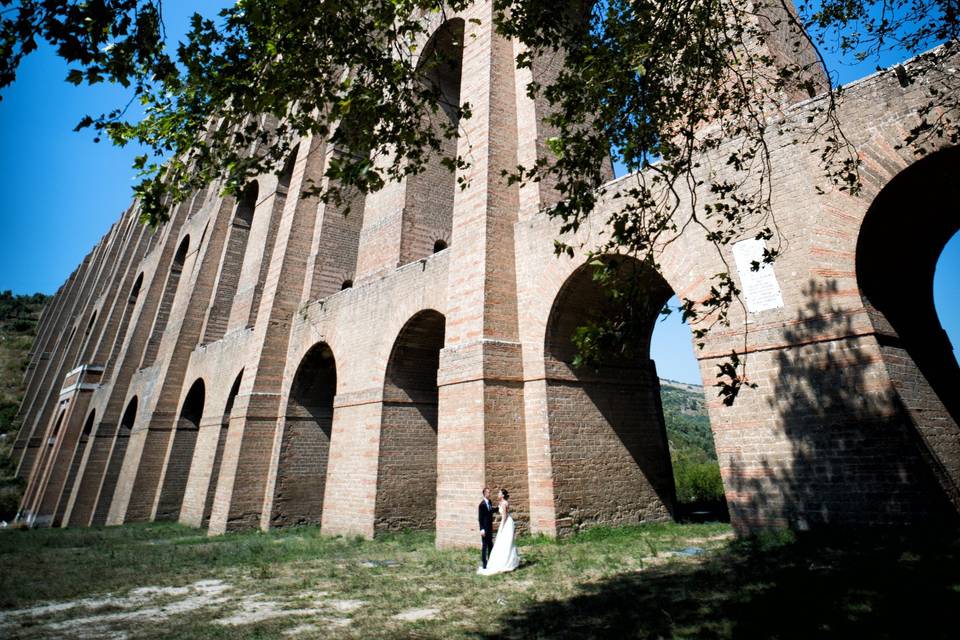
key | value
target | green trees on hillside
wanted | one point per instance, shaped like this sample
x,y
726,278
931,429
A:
x,y
19,315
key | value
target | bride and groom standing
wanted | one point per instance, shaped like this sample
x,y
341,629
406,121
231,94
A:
x,y
499,556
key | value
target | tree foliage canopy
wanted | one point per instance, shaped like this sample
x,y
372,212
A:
x,y
655,83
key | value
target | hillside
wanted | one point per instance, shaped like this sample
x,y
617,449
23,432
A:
x,y
18,327
695,468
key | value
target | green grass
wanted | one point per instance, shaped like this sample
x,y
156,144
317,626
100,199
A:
x,y
603,582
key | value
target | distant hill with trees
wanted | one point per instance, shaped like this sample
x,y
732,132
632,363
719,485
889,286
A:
x,y
692,452
19,316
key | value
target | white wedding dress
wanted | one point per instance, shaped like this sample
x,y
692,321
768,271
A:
x,y
504,556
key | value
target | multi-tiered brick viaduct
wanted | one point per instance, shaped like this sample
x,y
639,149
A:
x,y
268,361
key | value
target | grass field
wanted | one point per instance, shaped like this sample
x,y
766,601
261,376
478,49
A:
x,y
161,580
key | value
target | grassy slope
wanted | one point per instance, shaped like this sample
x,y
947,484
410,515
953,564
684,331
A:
x,y
18,326
625,582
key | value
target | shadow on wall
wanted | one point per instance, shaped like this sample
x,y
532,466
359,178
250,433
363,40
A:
x,y
880,586
845,451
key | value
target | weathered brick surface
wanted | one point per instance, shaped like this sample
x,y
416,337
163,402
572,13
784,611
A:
x,y
355,377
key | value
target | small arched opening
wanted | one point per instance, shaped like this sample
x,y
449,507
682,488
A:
x,y
181,453
407,464
166,302
305,446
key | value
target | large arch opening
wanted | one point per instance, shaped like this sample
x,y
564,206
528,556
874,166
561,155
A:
x,y
74,467
407,464
166,302
221,445
609,448
115,463
428,209
305,446
896,261
181,453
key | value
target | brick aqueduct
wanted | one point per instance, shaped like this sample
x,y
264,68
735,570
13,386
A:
x,y
269,361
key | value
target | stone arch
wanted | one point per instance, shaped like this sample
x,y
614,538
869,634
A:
x,y
117,454
407,461
895,262
74,468
181,453
231,264
305,445
166,302
428,206
608,444
221,445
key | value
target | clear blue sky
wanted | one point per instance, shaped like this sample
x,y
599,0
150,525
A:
x,y
64,191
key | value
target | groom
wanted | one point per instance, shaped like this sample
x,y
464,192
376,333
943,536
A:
x,y
485,512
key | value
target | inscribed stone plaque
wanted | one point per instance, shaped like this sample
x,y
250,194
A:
x,y
760,288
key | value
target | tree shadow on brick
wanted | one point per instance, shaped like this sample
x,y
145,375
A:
x,y
844,451
888,585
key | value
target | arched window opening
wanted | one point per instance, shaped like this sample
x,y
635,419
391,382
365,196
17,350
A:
x,y
605,416
286,173
407,465
181,453
93,320
116,456
221,445
231,264
439,246
347,284
52,440
305,446
428,212
166,303
135,291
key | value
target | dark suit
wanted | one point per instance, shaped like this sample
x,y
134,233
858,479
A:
x,y
485,514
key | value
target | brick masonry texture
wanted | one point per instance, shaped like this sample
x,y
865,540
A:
x,y
270,362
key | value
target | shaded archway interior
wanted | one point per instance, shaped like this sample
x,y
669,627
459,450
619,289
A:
x,y
305,445
181,453
221,445
609,450
115,463
407,471
901,239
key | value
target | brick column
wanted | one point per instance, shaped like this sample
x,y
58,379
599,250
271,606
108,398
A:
x,y
481,431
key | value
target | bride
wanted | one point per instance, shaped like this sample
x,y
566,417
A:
x,y
504,556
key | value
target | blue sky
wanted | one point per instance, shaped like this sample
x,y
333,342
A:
x,y
63,191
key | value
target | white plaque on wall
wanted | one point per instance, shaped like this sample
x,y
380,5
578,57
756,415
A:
x,y
761,291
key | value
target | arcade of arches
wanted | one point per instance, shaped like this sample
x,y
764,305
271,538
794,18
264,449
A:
x,y
273,362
